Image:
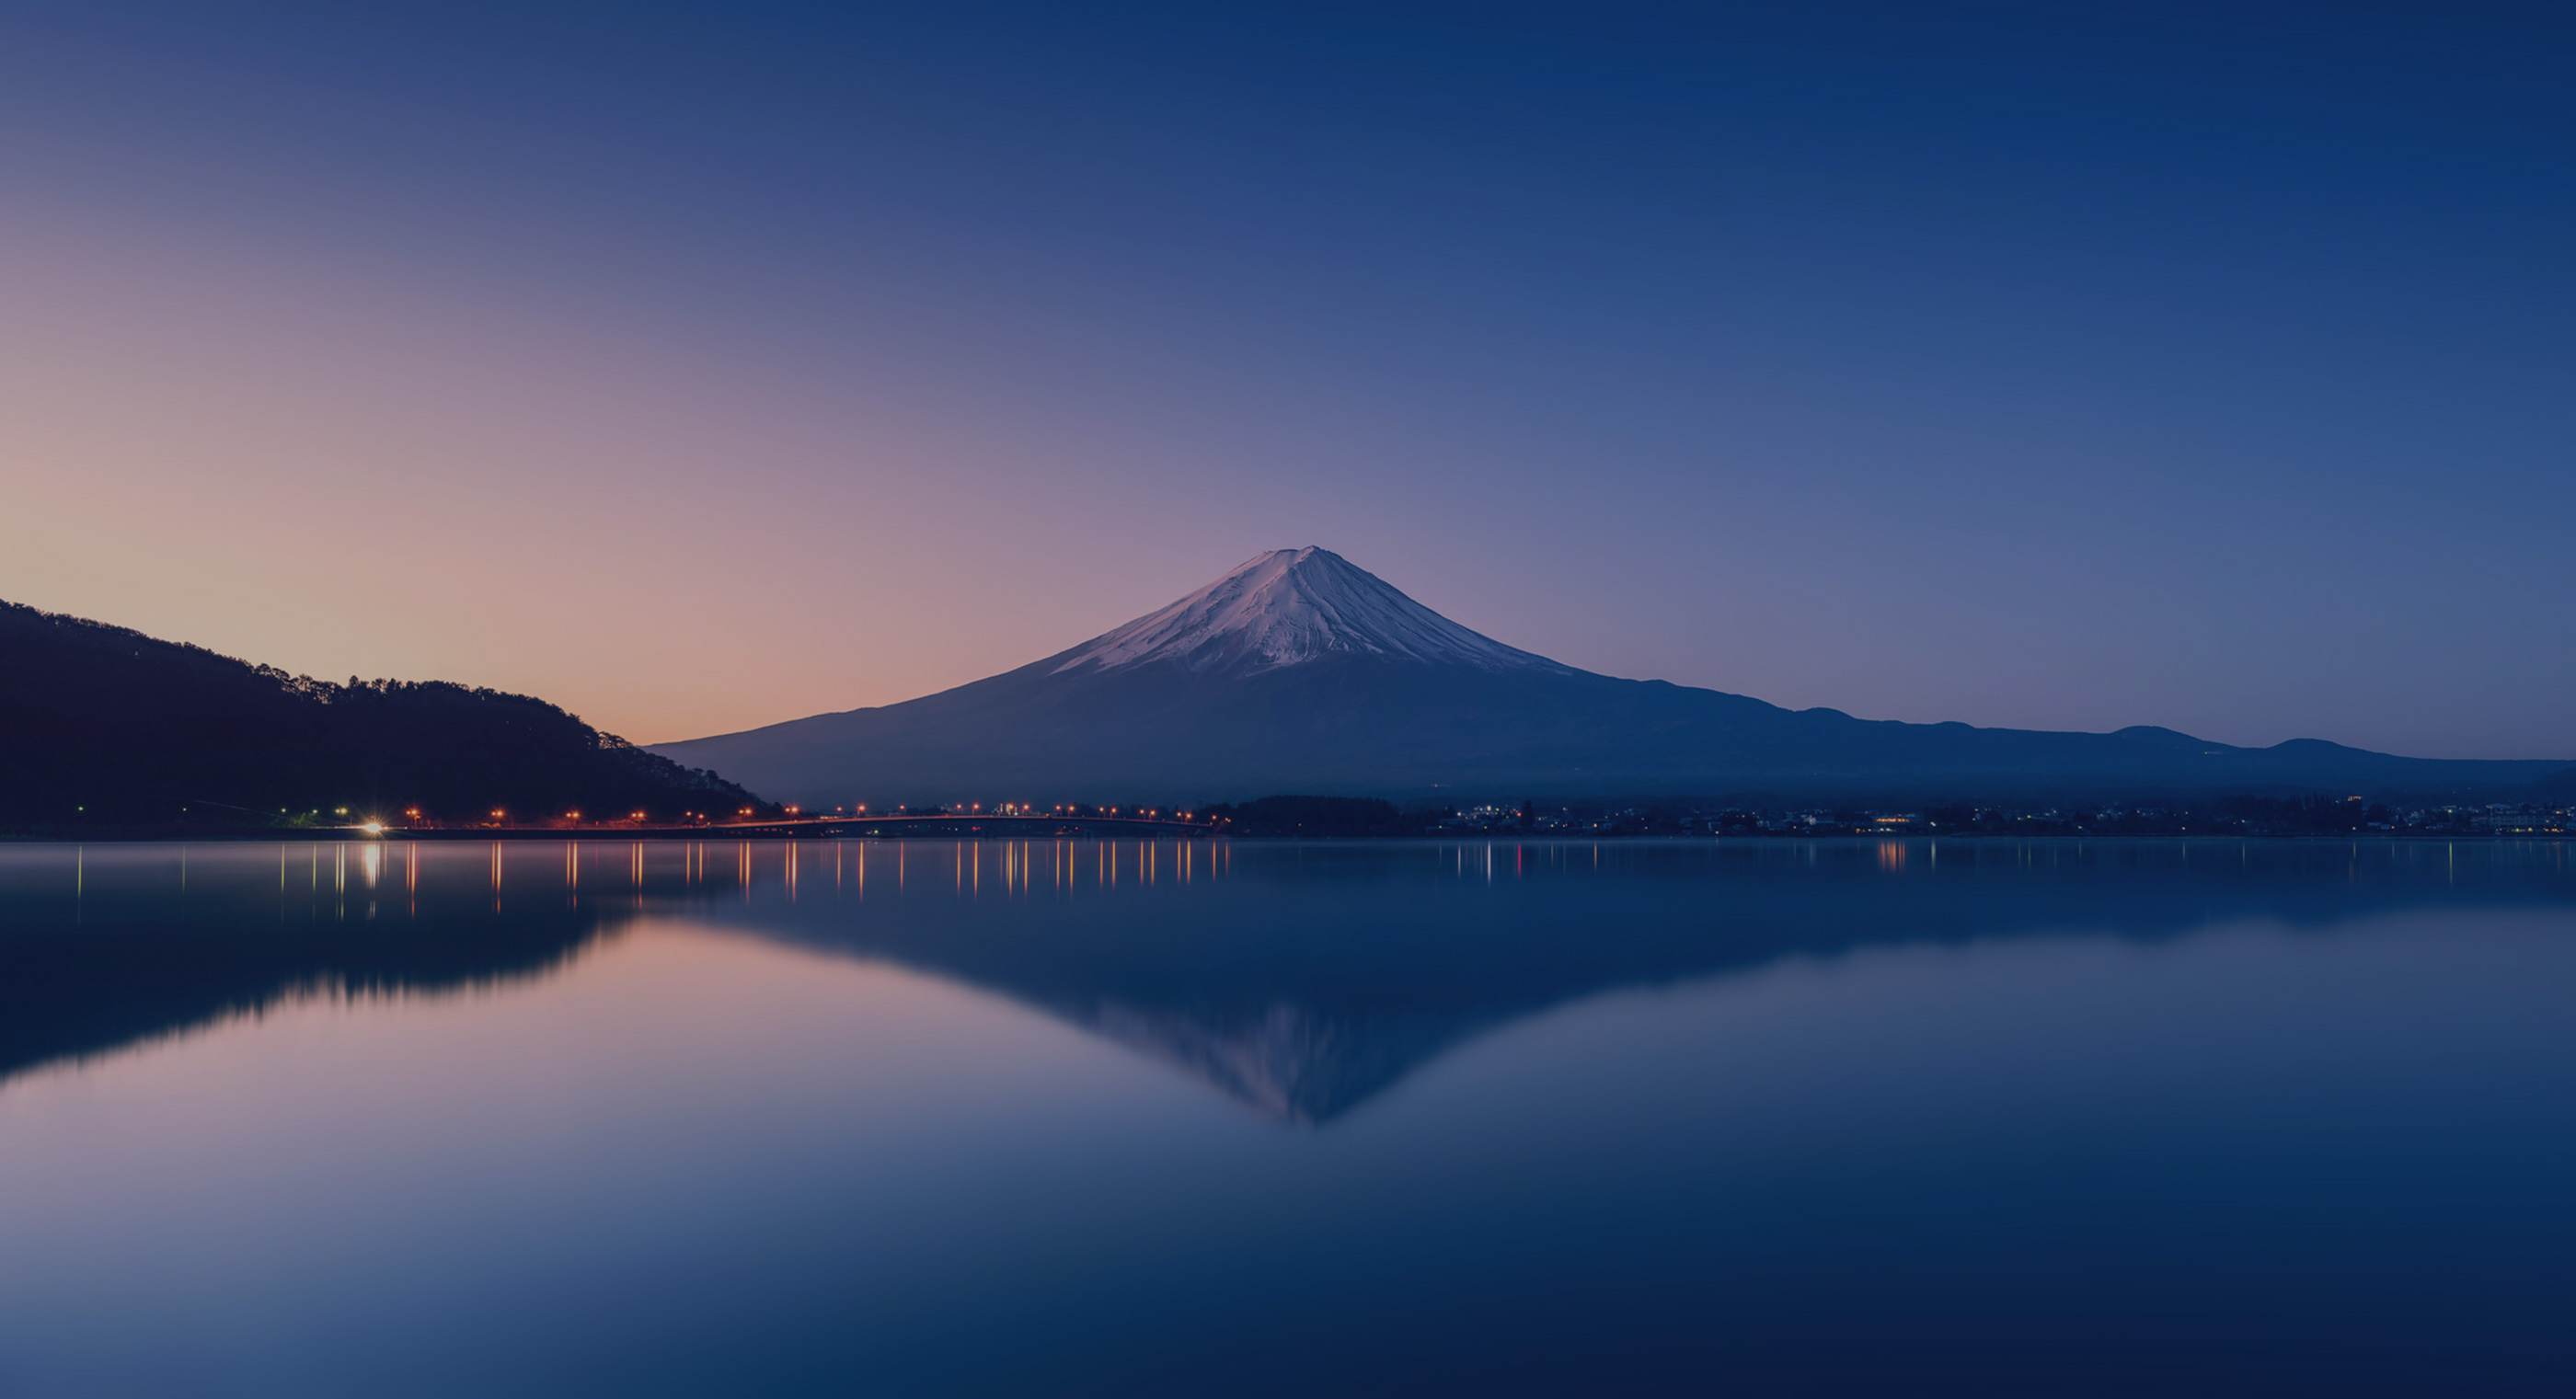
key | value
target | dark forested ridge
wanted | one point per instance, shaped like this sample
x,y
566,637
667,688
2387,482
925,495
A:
x,y
101,725
1314,816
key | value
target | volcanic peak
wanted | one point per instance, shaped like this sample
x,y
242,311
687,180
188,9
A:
x,y
1291,606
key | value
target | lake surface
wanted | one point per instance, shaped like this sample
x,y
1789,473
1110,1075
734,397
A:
x,y
1845,1118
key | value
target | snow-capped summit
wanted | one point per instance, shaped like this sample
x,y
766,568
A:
x,y
1291,606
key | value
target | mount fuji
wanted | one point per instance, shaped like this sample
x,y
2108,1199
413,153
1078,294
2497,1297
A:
x,y
1299,671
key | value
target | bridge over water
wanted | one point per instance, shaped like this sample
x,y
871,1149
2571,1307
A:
x,y
1012,827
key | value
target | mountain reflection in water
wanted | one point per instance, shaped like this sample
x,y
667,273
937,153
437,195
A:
x,y
1299,980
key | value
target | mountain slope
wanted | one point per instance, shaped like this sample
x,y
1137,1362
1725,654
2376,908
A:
x,y
1293,607
102,724
1301,672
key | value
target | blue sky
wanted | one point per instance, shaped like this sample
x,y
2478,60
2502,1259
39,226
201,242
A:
x,y
2039,365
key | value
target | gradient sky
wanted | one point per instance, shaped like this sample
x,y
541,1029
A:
x,y
697,367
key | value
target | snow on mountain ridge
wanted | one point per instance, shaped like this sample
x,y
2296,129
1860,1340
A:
x,y
1291,606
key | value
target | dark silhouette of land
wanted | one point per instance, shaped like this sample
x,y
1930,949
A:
x,y
1304,816
103,727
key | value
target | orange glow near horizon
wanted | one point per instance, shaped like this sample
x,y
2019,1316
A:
x,y
214,420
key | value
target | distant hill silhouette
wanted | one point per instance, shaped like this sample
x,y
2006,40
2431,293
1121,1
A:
x,y
2559,786
1299,672
103,725
1313,816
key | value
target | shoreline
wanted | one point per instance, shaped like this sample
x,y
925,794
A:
x,y
772,833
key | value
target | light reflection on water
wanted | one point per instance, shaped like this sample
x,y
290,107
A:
x,y
1166,1117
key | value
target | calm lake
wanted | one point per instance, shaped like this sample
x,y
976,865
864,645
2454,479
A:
x,y
913,1118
